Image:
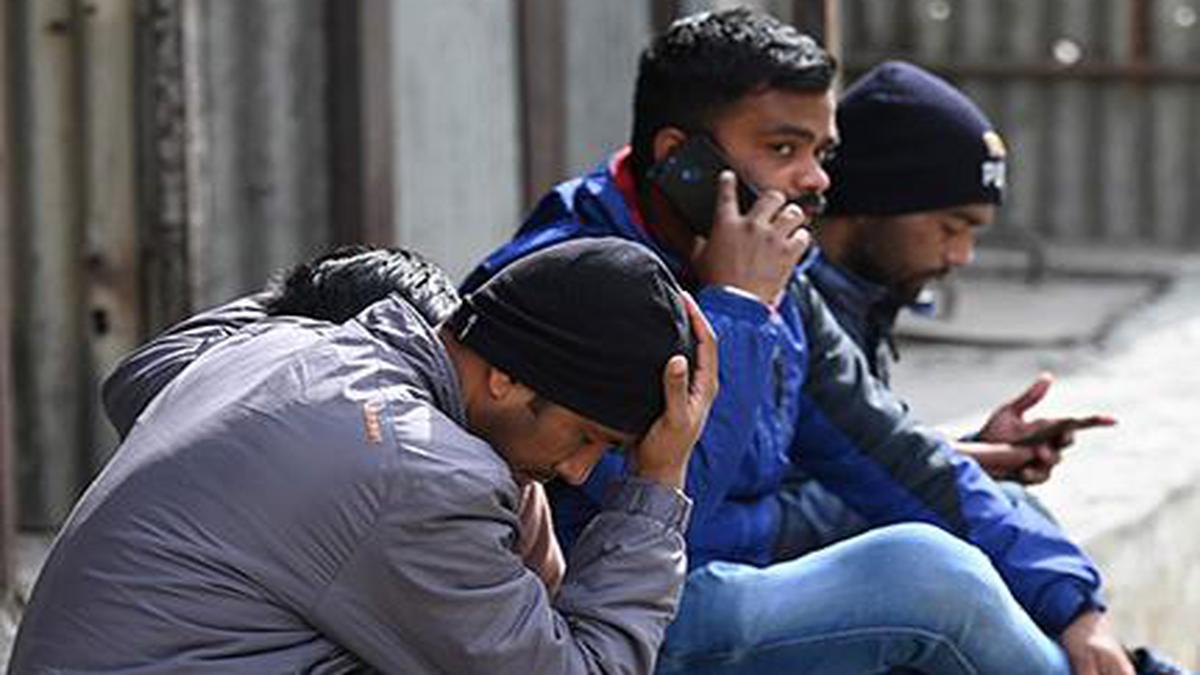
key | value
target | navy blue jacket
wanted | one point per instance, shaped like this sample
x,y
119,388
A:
x,y
797,393
865,310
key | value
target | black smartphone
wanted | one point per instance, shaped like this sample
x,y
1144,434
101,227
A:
x,y
688,179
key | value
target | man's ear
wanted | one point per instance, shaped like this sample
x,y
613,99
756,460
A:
x,y
666,140
502,388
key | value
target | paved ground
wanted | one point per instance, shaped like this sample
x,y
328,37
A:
x,y
1120,343
1130,494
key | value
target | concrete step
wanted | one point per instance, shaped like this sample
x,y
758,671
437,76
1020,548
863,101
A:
x,y
1130,494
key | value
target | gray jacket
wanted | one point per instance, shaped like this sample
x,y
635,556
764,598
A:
x,y
305,498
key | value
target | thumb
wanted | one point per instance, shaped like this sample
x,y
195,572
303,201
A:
x,y
698,247
1033,394
1005,459
675,387
727,203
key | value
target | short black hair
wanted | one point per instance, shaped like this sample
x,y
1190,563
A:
x,y
338,285
707,61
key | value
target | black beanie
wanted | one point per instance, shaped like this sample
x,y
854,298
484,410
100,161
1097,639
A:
x,y
588,324
912,142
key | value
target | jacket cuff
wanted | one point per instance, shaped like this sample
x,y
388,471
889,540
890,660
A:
x,y
1059,615
652,499
737,304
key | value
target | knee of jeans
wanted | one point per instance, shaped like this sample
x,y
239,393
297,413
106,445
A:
x,y
718,589
935,565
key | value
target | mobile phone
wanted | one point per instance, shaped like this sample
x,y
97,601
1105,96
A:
x,y
688,179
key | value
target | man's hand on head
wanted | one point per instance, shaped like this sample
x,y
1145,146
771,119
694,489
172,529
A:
x,y
754,251
663,453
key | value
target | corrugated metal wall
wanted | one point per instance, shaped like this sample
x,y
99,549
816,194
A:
x,y
1098,99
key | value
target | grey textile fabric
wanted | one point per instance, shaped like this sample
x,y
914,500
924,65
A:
x,y
141,375
304,498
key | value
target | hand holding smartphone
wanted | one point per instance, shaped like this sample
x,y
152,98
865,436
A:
x,y
688,179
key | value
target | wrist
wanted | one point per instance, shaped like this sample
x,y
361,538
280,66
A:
x,y
672,476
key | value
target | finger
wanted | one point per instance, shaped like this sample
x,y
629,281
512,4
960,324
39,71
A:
x,y
1005,459
675,389
699,245
1033,394
788,219
704,374
798,241
1122,665
1048,457
1033,475
769,203
1082,664
1113,662
1064,440
727,203
1095,421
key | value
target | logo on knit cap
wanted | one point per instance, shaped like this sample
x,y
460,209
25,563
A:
x,y
993,171
994,145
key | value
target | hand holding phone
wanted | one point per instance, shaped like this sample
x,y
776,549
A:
x,y
688,179
747,241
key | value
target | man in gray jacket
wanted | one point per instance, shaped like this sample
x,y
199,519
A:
x,y
332,498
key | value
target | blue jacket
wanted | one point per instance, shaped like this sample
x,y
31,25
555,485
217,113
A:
x,y
796,392
865,310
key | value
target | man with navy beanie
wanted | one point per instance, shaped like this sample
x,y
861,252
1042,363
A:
x,y
920,170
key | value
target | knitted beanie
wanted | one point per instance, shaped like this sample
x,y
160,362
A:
x,y
912,142
588,324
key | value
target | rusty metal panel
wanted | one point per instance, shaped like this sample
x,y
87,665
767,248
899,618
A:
x,y
109,201
262,179
7,394
603,41
165,140
456,147
359,100
49,342
543,112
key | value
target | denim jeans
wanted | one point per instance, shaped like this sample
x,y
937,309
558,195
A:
x,y
897,599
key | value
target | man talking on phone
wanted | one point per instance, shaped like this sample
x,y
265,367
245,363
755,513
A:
x,y
953,577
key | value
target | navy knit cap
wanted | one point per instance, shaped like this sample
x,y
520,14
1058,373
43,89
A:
x,y
912,142
588,324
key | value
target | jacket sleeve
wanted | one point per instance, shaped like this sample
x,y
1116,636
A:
x,y
747,335
438,588
139,377
857,439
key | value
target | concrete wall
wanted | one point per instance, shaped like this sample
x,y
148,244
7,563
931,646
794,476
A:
x,y
457,144
261,117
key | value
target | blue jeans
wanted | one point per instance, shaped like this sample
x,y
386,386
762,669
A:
x,y
908,597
